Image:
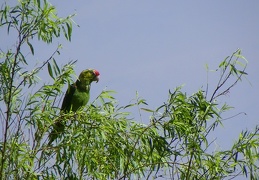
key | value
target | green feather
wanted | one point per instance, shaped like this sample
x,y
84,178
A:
x,y
77,95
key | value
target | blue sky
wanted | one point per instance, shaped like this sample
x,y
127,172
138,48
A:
x,y
152,46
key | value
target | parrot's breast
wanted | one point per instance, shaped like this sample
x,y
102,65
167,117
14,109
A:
x,y
79,99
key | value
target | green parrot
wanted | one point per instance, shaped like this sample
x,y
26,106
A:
x,y
77,95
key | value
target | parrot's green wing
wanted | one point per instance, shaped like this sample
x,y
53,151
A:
x,y
59,127
66,105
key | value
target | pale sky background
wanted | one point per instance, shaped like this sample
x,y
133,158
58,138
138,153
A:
x,y
151,46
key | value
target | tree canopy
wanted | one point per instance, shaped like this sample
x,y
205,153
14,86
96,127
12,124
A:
x,y
101,141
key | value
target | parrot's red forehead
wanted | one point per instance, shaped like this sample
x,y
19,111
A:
x,y
96,72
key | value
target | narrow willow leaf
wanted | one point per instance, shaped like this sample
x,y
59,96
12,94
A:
x,y
50,70
242,72
22,58
148,110
31,47
38,3
142,101
69,31
56,68
129,105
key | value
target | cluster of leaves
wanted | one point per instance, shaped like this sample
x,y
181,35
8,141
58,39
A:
x,y
35,18
100,141
27,19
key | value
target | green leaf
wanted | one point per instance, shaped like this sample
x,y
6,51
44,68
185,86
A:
x,y
56,68
22,58
148,110
142,101
69,31
31,47
50,71
38,3
129,105
242,72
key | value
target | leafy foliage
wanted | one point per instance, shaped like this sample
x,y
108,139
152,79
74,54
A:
x,y
101,141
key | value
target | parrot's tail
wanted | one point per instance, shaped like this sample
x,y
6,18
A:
x,y
58,128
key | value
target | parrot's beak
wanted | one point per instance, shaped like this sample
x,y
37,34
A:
x,y
97,74
96,79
